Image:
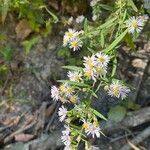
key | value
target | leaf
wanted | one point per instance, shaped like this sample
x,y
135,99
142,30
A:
x,y
106,7
85,25
129,41
73,68
131,3
114,67
23,29
7,54
74,83
98,114
108,23
116,41
4,9
102,40
117,113
23,137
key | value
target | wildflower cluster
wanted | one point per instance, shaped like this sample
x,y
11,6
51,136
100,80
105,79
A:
x,y
72,39
96,65
97,71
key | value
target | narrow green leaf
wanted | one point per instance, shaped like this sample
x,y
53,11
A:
x,y
131,3
4,9
102,40
74,83
98,114
85,25
129,41
108,23
116,41
106,7
114,67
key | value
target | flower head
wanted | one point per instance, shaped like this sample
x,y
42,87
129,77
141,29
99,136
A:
x,y
89,61
90,73
91,128
62,113
135,24
102,59
69,35
100,71
75,76
74,99
75,44
55,93
66,90
80,19
118,90
66,137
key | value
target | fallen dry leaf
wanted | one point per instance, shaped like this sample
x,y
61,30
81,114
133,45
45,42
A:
x,y
23,137
29,119
11,121
23,29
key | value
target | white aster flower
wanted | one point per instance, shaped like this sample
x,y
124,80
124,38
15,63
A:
x,y
102,59
75,44
62,113
66,137
75,76
74,99
90,72
89,61
100,70
80,19
70,20
55,93
66,90
135,24
118,90
144,17
69,35
91,128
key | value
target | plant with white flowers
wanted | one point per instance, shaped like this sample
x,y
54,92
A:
x,y
98,40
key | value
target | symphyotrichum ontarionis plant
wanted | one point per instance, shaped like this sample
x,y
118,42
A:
x,y
97,39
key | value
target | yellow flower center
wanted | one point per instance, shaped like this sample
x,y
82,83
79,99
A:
x,y
88,73
69,34
101,59
85,125
74,44
135,24
73,99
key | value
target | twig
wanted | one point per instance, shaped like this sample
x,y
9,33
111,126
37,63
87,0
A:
x,y
139,138
53,116
22,129
122,136
41,118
